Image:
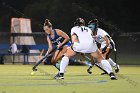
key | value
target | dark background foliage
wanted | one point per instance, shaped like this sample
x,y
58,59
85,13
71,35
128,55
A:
x,y
113,15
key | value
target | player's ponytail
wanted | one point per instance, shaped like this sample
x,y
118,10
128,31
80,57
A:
x,y
47,23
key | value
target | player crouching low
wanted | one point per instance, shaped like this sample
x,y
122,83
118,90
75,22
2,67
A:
x,y
107,45
83,42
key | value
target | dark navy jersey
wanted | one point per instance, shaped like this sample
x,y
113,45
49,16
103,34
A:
x,y
57,39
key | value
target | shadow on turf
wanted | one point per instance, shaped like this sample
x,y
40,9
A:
x,y
128,79
51,77
56,84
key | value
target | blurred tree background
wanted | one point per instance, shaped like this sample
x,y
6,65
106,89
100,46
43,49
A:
x,y
114,15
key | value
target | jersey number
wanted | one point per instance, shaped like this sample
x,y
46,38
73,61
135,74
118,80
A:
x,y
83,29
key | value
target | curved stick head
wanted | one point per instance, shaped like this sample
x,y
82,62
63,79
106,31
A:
x,y
34,69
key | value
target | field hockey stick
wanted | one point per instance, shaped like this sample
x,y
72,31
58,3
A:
x,y
115,53
43,58
96,65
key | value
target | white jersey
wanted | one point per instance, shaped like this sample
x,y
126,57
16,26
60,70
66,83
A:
x,y
100,34
86,41
99,38
84,34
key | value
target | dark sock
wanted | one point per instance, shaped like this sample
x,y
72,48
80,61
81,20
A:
x,y
62,74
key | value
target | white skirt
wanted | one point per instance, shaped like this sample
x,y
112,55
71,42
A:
x,y
84,47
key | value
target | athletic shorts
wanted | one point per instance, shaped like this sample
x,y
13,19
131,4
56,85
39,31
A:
x,y
84,48
111,45
103,45
68,44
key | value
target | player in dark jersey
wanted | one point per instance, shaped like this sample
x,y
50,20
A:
x,y
56,37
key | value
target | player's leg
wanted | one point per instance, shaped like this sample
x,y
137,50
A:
x,y
52,59
64,63
57,56
115,65
105,55
88,63
92,64
112,63
103,63
85,61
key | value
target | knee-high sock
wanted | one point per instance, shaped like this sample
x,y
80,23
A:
x,y
63,64
106,66
112,63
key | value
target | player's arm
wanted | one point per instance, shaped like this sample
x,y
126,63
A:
x,y
49,45
74,38
106,40
107,43
64,35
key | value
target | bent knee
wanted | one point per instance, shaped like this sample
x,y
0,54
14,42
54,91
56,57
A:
x,y
53,61
100,59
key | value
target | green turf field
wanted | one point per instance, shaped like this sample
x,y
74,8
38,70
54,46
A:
x,y
17,79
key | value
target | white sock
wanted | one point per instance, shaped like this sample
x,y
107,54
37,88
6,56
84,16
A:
x,y
100,65
106,66
63,64
112,63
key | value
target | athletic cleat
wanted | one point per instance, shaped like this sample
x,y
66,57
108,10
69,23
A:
x,y
58,76
104,73
88,70
112,76
117,68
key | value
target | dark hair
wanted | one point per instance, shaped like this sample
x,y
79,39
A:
x,y
47,23
79,22
93,21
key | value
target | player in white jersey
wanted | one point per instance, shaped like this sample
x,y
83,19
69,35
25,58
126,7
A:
x,y
83,42
106,42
